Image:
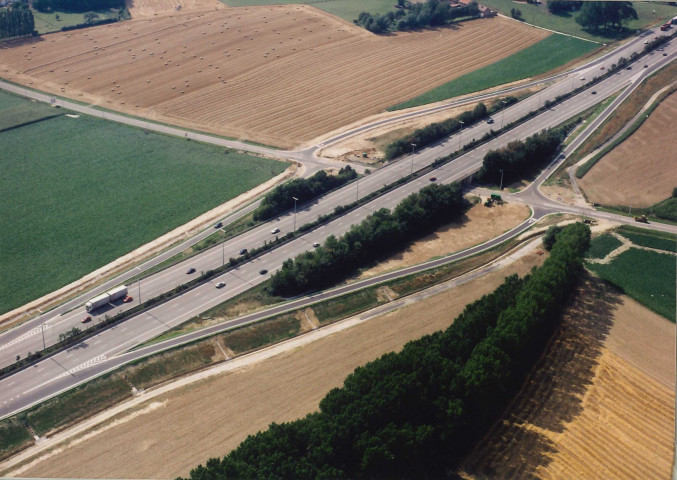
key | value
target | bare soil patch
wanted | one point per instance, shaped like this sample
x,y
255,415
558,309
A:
x,y
211,417
641,169
479,225
274,74
600,404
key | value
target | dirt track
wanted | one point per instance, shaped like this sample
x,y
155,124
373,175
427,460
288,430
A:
x,y
179,430
274,74
638,171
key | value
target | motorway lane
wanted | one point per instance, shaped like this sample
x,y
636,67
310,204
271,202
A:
x,y
32,340
100,348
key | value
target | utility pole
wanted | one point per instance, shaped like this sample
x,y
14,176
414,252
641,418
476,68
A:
x,y
459,134
503,112
295,200
139,269
501,187
223,253
357,192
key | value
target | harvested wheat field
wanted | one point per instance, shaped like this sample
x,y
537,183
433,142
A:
x,y
600,404
479,224
153,8
176,431
278,75
641,170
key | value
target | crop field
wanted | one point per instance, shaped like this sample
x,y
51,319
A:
x,y
646,276
601,246
17,111
541,57
648,13
599,405
647,238
637,172
348,10
278,75
88,191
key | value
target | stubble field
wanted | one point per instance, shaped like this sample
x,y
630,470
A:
x,y
638,171
278,75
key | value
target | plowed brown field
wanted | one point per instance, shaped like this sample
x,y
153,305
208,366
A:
x,y
275,74
641,170
600,405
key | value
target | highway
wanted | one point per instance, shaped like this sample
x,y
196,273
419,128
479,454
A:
x,y
103,351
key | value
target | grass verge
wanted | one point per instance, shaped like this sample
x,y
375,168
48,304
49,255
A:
x,y
648,238
549,53
47,22
70,210
646,276
603,245
348,10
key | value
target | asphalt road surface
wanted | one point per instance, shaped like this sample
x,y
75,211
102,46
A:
x,y
103,351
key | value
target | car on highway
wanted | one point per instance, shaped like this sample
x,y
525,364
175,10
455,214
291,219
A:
x,y
190,270
490,121
646,66
128,299
594,92
86,319
263,271
316,244
243,251
432,179
665,54
628,68
220,284
218,225
275,230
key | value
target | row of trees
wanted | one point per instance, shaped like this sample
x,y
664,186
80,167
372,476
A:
x,y
416,413
597,15
519,159
76,6
412,16
560,7
378,235
281,198
16,22
437,131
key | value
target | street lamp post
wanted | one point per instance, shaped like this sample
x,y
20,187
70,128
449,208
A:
x,y
503,112
460,132
223,253
139,269
295,200
357,192
413,146
501,187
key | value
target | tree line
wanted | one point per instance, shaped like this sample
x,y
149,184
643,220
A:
x,y
412,16
424,136
76,6
379,234
596,15
416,413
281,198
16,22
519,159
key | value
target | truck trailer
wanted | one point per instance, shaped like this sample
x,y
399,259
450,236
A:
x,y
106,298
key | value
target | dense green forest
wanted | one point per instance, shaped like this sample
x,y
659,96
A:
x,y
16,22
413,15
425,136
416,413
519,159
281,199
378,235
78,6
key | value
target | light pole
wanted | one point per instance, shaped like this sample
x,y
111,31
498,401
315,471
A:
x,y
139,269
413,146
630,209
503,112
223,253
295,200
501,187
539,99
357,192
459,134
42,328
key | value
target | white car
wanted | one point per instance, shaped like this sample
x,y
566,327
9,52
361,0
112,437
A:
x,y
316,244
275,230
220,285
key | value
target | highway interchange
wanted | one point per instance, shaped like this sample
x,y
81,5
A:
x,y
105,351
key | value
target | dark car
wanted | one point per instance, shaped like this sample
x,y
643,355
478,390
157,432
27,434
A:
x,y
263,271
646,66
491,120
243,251
628,68
218,225
432,179
190,270
665,54
594,92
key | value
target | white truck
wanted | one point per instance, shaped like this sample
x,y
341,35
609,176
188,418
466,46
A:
x,y
106,298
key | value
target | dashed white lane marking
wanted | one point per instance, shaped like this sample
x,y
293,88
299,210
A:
x,y
23,337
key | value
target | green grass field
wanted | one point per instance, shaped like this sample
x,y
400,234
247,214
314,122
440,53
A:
x,y
648,238
47,22
601,246
648,277
346,9
666,209
549,53
79,193
538,15
17,111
